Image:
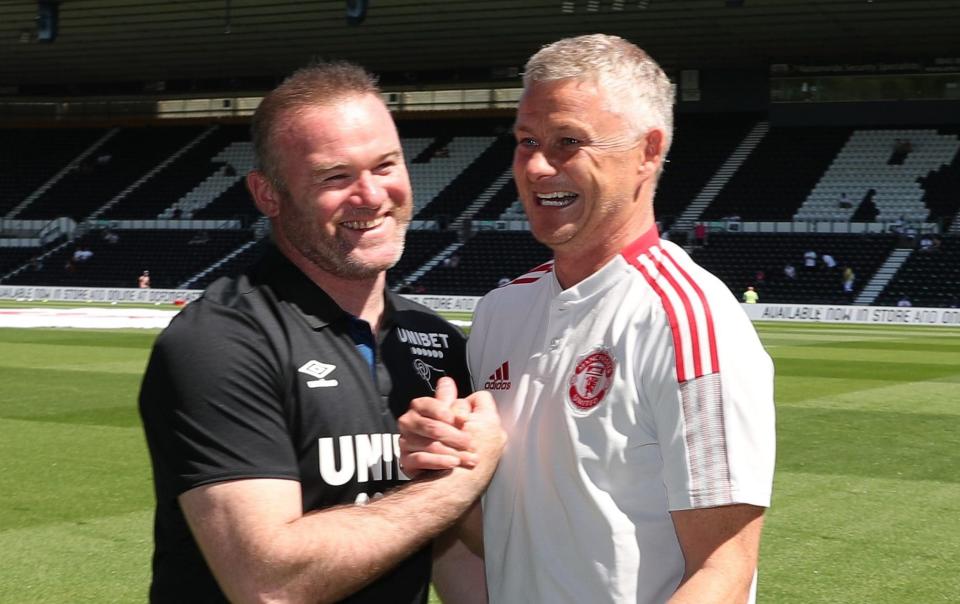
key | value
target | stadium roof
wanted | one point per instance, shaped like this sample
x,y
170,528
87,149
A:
x,y
226,41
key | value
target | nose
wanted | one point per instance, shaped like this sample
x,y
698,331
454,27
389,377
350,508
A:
x,y
537,165
367,191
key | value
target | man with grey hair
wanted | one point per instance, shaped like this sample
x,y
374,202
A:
x,y
636,395
270,403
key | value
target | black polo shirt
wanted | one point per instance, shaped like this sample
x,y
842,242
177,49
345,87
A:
x,y
261,378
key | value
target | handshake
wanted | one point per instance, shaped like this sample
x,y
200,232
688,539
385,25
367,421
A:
x,y
444,432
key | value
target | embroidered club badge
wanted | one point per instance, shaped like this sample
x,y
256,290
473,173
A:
x,y
591,379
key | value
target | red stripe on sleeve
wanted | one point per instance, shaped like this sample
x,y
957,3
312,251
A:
x,y
691,317
671,317
711,334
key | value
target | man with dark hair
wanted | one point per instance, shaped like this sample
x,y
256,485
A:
x,y
270,403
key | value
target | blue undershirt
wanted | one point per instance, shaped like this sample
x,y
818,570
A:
x,y
363,338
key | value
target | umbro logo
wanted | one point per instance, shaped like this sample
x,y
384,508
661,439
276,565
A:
x,y
499,379
320,371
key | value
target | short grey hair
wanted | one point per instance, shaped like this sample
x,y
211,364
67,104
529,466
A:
x,y
636,85
319,84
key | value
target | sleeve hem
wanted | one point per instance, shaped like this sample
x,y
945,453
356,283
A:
x,y
193,482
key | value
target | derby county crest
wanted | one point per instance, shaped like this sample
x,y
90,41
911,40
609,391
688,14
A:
x,y
429,373
591,380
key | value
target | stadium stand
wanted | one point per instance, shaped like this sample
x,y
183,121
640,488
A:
x,y
777,177
489,157
233,203
503,203
32,159
737,258
167,254
871,160
174,182
942,189
231,264
12,258
421,246
461,174
695,157
121,161
417,153
927,278
484,259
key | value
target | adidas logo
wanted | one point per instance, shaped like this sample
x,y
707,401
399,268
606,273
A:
x,y
499,379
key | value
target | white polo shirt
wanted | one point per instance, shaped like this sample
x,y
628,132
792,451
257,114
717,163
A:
x,y
642,389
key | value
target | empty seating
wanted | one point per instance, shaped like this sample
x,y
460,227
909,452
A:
x,y
169,255
941,186
461,169
863,164
115,165
157,197
232,267
454,194
234,203
12,258
30,158
503,204
419,248
484,260
777,177
701,144
737,258
927,278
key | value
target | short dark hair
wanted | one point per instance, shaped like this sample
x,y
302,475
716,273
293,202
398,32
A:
x,y
320,83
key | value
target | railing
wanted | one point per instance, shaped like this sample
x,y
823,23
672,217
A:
x,y
237,106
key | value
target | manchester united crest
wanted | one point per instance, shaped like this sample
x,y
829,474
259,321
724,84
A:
x,y
591,380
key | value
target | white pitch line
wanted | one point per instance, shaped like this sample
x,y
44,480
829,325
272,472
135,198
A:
x,y
89,318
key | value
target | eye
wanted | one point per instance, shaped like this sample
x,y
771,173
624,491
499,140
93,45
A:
x,y
567,141
385,167
527,142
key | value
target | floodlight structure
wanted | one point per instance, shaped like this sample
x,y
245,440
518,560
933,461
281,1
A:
x,y
356,11
48,20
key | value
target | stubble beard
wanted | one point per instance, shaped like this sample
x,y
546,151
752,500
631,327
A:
x,y
339,258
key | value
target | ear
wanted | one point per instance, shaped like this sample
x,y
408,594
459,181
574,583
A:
x,y
264,193
652,150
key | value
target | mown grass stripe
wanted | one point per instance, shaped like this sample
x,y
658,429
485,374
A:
x,y
55,472
866,502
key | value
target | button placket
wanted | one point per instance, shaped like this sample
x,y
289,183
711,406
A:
x,y
559,323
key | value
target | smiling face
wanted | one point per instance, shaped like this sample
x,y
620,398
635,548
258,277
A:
x,y
346,199
584,175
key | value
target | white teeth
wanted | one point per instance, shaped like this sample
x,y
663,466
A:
x,y
557,199
363,224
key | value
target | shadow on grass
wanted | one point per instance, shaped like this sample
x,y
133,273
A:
x,y
902,446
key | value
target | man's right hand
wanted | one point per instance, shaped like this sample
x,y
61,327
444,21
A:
x,y
444,432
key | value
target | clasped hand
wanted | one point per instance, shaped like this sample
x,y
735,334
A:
x,y
443,432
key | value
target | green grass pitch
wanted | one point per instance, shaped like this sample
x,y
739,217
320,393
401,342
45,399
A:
x,y
866,502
